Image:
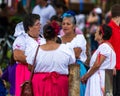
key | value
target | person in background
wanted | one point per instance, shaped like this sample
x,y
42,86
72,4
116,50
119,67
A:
x,y
18,16
27,33
60,8
3,90
75,41
103,58
51,71
9,75
4,20
115,41
45,11
94,19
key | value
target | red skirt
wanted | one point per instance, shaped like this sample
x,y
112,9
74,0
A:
x,y
22,74
50,84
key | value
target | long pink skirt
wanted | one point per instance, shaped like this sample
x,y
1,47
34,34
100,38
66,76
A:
x,y
50,84
22,74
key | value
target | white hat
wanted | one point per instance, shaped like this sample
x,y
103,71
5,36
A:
x,y
98,10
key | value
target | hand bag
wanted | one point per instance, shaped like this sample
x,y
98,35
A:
x,y
26,87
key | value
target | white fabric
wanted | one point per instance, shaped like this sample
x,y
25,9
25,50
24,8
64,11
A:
x,y
19,30
107,51
79,41
80,21
97,81
45,13
55,60
26,43
98,10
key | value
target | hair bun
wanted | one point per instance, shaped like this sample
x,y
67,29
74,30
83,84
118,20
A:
x,y
55,26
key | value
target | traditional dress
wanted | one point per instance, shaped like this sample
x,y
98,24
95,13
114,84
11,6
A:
x,y
96,83
79,41
25,43
51,72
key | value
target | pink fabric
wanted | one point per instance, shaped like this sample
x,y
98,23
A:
x,y
22,74
50,84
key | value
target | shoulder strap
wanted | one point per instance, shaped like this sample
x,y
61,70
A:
x,y
34,62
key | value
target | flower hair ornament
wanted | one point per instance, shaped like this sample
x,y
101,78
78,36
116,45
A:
x,y
68,14
55,26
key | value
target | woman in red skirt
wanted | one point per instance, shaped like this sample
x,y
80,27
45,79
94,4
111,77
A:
x,y
51,71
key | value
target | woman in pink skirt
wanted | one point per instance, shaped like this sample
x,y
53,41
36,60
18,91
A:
x,y
51,71
27,33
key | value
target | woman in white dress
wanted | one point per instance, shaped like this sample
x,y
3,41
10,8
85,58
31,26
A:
x,y
76,42
27,36
51,71
103,58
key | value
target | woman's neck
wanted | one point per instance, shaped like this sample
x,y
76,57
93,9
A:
x,y
103,41
33,37
70,35
50,42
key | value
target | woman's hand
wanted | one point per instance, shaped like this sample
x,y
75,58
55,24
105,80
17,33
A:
x,y
84,78
30,67
1,72
114,71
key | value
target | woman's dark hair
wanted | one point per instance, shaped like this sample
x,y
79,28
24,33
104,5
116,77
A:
x,y
106,31
29,21
49,32
56,18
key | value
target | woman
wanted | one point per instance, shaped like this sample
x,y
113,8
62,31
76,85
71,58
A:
x,y
76,42
27,38
94,19
9,75
103,58
51,71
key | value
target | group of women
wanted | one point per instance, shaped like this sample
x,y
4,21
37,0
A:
x,y
51,71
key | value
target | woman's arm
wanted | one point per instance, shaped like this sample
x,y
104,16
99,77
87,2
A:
x,y
19,56
30,67
92,18
100,59
77,51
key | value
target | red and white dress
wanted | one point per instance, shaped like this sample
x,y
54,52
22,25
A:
x,y
96,83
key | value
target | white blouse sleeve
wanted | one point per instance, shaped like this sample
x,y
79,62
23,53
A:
x,y
71,53
30,57
104,49
19,43
79,41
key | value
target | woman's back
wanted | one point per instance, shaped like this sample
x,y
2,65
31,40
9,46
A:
x,y
50,60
